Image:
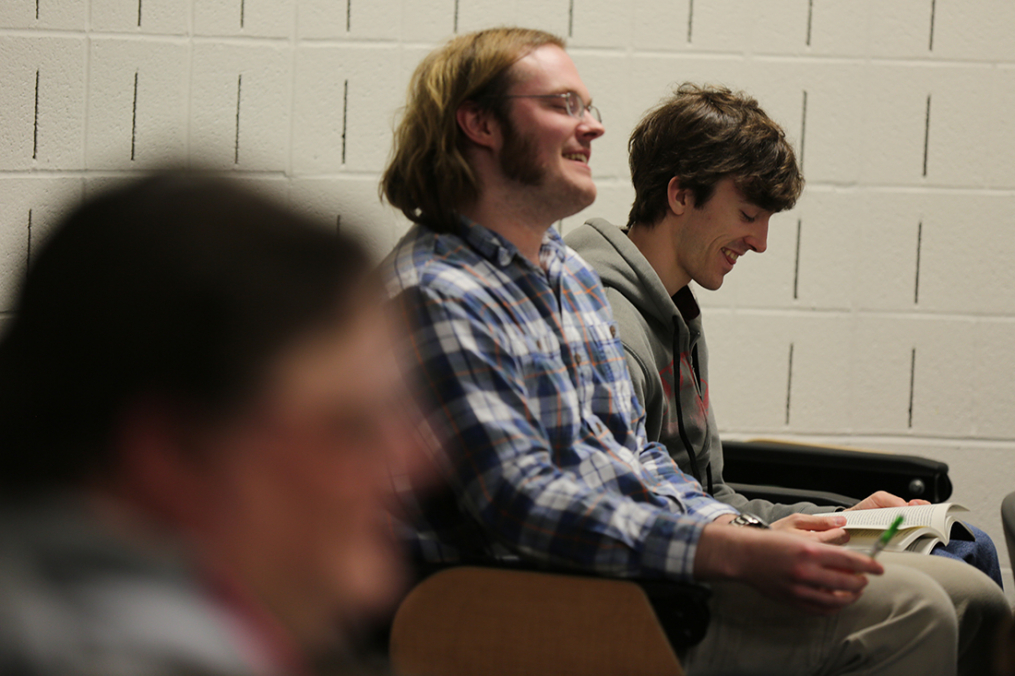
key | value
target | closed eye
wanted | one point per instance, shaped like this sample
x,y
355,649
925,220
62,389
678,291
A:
x,y
747,217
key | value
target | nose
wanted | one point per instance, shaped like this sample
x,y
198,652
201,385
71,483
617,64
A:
x,y
593,128
758,238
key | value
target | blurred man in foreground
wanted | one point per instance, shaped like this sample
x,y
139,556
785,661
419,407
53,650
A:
x,y
196,422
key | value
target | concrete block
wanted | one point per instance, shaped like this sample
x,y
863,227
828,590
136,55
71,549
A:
x,y
258,18
136,126
662,26
942,388
552,16
835,28
998,169
978,30
965,239
52,14
28,211
993,385
835,116
326,109
600,23
239,106
42,116
887,249
722,25
964,121
748,370
900,29
824,273
350,19
141,16
428,22
893,107
822,380
880,368
778,27
351,204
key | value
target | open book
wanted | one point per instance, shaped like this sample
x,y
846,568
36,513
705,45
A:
x,y
924,527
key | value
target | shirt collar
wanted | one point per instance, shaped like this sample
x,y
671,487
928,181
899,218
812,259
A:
x,y
499,250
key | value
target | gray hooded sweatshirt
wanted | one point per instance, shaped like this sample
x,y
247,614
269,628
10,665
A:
x,y
653,328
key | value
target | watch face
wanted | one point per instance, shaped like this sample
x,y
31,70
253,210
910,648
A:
x,y
750,521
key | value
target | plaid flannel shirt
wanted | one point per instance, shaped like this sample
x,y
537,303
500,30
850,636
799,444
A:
x,y
525,384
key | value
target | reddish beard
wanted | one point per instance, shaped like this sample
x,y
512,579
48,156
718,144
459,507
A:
x,y
518,157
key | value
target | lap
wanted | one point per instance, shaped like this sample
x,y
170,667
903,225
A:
x,y
751,634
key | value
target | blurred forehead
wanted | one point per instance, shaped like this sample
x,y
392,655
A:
x,y
345,365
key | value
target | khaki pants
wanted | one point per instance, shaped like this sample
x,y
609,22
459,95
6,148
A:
x,y
980,605
904,623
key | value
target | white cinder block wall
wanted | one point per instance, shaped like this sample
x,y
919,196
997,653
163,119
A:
x,y
883,313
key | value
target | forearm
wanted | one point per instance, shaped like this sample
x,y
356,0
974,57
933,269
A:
x,y
769,511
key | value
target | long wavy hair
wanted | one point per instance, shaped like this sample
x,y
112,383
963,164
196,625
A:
x,y
428,177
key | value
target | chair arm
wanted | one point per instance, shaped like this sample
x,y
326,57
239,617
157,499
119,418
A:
x,y
848,472
470,620
782,495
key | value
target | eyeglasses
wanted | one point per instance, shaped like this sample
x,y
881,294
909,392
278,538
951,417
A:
x,y
573,103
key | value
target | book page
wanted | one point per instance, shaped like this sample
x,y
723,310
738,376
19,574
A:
x,y
922,515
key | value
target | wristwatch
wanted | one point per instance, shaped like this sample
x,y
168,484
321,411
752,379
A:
x,y
750,521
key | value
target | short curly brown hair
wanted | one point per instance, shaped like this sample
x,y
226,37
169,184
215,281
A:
x,y
702,134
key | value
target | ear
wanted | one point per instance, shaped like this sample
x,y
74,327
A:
x,y
152,463
479,125
678,199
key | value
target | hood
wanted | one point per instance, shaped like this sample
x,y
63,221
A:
x,y
622,266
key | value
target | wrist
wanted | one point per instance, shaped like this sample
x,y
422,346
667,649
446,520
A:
x,y
718,555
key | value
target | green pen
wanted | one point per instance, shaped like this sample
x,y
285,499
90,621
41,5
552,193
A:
x,y
887,536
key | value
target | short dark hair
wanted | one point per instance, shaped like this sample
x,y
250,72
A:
x,y
176,286
428,176
702,134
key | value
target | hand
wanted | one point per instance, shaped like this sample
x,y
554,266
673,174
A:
x,y
885,499
827,528
807,575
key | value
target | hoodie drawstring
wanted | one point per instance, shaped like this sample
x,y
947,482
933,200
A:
x,y
695,471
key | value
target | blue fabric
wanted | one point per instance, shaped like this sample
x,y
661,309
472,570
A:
x,y
979,553
525,383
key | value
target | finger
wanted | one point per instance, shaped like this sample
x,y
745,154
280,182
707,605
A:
x,y
886,499
835,536
849,561
918,503
833,580
818,521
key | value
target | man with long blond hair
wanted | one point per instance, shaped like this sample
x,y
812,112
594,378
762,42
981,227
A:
x,y
525,385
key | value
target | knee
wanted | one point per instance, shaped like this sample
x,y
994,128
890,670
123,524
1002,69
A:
x,y
921,602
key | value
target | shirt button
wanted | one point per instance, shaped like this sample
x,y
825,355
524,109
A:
x,y
578,358
613,330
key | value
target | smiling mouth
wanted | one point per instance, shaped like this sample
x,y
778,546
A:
x,y
577,157
731,255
